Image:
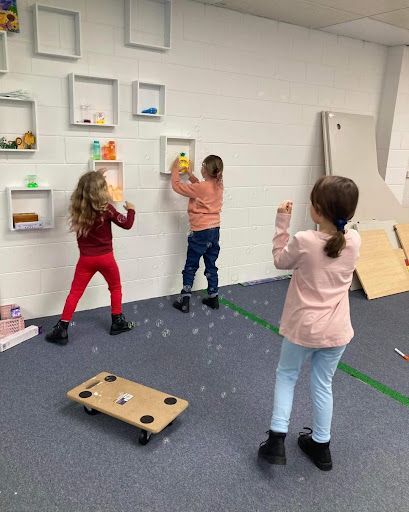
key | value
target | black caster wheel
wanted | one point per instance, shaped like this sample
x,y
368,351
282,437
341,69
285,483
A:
x,y
91,412
144,437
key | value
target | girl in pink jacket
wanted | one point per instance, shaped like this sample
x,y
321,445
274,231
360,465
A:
x,y
316,319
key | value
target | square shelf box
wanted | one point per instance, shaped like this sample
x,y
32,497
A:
x,y
4,61
148,24
31,200
16,118
90,95
170,149
146,95
114,176
57,32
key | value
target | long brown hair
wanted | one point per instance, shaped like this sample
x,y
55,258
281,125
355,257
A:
x,y
214,167
335,198
88,202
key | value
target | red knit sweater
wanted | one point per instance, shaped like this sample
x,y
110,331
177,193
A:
x,y
99,239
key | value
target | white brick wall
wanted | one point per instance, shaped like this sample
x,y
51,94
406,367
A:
x,y
249,89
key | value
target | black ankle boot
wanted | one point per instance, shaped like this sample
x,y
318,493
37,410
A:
x,y
273,450
211,302
182,304
319,453
120,325
59,334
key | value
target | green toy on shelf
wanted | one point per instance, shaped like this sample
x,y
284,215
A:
x,y
31,181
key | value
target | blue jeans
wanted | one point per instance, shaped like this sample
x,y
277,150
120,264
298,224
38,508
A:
x,y
202,243
324,362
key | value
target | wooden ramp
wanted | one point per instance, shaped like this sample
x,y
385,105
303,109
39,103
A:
x,y
402,231
381,268
145,408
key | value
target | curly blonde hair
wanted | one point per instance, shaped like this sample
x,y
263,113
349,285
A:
x,y
88,202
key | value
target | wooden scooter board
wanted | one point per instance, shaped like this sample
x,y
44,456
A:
x,y
125,400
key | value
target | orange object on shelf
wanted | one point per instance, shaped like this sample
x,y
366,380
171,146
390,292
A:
x,y
24,217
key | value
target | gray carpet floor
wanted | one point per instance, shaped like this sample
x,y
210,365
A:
x,y
54,457
380,325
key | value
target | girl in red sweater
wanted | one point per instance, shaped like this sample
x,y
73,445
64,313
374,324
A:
x,y
91,216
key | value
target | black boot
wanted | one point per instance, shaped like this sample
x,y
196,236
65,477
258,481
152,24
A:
x,y
182,304
319,453
273,450
211,302
120,325
59,334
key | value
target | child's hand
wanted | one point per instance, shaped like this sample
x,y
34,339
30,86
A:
x,y
285,207
129,206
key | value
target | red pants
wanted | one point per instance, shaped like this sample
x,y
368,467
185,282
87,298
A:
x,y
87,266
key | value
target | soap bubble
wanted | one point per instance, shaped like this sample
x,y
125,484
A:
x,y
233,390
209,361
95,349
254,301
211,325
210,338
223,395
266,302
73,324
192,314
222,317
267,351
202,388
159,322
236,314
250,336
165,333
195,331
149,334
219,347
166,440
146,321
208,312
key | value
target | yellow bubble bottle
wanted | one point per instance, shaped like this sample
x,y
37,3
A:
x,y
183,162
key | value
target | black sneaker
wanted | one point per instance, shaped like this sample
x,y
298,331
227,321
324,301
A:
x,y
211,302
120,325
59,334
273,450
182,304
319,453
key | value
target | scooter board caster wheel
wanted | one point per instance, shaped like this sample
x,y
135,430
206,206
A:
x,y
144,437
91,412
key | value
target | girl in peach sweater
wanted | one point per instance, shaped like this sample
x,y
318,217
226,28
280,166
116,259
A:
x,y
205,204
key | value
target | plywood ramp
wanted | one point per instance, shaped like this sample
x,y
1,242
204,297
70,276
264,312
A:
x,y
402,231
381,268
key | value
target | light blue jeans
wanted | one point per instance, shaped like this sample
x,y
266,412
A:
x,y
324,362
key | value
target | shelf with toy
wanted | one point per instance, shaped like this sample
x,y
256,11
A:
x,y
18,125
148,24
57,32
94,100
30,208
171,147
114,176
148,99
4,61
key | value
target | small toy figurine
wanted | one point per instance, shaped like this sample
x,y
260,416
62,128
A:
x,y
29,139
99,118
5,144
19,143
183,163
151,110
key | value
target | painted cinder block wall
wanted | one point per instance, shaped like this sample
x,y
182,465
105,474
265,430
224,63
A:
x,y
247,88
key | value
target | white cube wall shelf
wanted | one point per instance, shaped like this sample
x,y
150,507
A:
x,y
146,95
170,149
94,94
38,200
4,61
148,24
18,116
57,32
114,176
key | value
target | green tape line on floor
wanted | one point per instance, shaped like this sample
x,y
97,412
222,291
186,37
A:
x,y
382,388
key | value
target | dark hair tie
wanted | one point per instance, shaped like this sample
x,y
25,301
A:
x,y
340,225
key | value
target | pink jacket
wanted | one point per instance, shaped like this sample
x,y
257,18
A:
x,y
316,310
205,201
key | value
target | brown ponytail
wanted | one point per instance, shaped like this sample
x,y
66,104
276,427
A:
x,y
214,167
335,198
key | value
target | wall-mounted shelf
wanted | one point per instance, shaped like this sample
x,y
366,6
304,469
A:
x,y
57,32
114,176
148,24
37,200
170,149
17,117
92,94
146,95
4,61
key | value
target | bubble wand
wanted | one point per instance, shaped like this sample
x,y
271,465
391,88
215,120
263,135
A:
x,y
404,356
